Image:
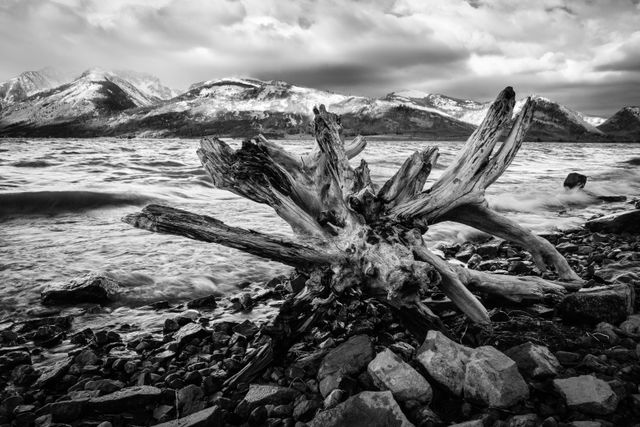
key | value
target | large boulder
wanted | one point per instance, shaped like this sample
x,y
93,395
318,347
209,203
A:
x,y
366,409
491,378
91,288
623,222
574,180
611,304
534,360
347,359
588,394
389,372
445,360
260,395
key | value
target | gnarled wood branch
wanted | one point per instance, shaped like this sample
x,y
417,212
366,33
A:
x,y
357,236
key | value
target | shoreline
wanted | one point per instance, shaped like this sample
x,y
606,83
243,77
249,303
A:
x,y
204,366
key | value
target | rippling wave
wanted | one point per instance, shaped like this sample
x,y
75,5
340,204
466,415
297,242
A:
x,y
61,202
51,202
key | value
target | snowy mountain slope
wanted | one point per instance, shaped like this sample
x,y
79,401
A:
x,y
462,109
624,124
555,122
29,83
95,93
146,83
279,107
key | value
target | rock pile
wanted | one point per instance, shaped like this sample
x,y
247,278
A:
x,y
350,361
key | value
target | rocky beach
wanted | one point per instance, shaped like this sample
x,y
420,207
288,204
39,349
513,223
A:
x,y
561,360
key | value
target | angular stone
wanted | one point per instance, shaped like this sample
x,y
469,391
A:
x,y
53,372
493,379
389,372
588,394
623,222
190,399
89,288
210,417
534,360
366,409
610,304
187,332
489,249
631,325
127,398
347,359
260,395
444,360
525,420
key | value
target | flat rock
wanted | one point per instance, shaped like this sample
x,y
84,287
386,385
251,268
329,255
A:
x,y
349,358
588,394
389,372
444,360
623,222
611,304
260,395
534,360
209,417
127,398
493,379
53,372
89,288
366,409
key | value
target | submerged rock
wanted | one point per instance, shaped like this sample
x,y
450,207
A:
x,y
366,409
493,379
349,358
574,180
534,360
389,372
611,304
89,288
588,394
624,222
444,360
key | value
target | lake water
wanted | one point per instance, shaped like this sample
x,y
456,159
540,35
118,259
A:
x,y
61,202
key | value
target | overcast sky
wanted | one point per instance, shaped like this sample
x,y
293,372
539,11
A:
x,y
585,54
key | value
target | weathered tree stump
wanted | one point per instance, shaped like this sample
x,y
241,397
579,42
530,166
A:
x,y
352,234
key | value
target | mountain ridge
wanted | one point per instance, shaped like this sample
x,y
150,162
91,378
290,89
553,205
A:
x,y
127,103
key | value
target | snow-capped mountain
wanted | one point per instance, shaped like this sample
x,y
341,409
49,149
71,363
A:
x,y
95,93
99,103
552,121
555,122
244,106
462,109
29,83
147,84
624,124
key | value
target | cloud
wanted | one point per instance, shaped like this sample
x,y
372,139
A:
x,y
467,48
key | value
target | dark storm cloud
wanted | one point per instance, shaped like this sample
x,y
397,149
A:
x,y
582,52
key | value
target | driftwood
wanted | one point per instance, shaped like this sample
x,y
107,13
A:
x,y
352,234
